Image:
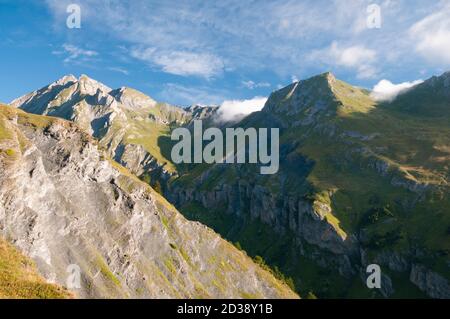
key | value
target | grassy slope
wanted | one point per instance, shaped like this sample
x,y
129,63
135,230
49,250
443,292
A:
x,y
415,148
19,277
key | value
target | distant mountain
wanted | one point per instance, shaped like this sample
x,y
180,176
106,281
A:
x,y
428,99
65,203
126,122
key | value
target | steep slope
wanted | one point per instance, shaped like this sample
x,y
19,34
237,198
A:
x,y
65,204
19,278
428,99
127,123
359,183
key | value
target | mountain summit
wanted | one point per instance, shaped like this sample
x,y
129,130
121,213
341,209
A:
x,y
317,100
127,122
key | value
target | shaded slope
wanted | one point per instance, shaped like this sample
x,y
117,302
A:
x,y
428,99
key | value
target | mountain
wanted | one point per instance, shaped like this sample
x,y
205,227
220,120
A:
x,y
129,124
360,182
428,99
67,205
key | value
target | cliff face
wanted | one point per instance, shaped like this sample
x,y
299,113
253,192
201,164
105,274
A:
x,y
68,206
305,220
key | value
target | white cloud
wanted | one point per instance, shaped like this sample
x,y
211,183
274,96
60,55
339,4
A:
x,y
73,53
182,62
235,110
432,34
253,85
277,36
356,57
119,70
294,79
387,91
264,34
191,95
352,56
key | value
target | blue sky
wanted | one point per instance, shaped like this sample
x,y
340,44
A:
x,y
185,52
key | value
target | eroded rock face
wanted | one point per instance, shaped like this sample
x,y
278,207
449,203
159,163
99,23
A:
x,y
429,281
63,203
283,213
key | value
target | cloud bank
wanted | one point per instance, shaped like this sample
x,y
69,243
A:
x,y
386,91
235,110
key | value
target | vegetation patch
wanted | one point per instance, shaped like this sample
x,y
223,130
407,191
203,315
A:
x,y
20,279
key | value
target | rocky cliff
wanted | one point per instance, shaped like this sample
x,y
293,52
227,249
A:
x,y
69,207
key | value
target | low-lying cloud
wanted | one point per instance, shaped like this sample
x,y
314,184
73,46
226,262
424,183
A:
x,y
235,110
386,91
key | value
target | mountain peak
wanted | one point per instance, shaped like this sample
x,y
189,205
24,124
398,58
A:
x,y
132,98
90,86
316,98
66,79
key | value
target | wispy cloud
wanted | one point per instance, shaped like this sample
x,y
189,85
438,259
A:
x,y
73,53
278,38
254,85
181,62
432,36
119,70
356,57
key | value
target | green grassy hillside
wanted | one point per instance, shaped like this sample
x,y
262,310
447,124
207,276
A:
x,y
20,279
